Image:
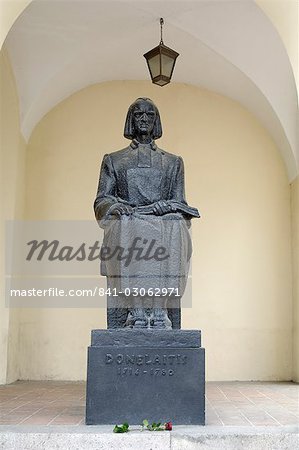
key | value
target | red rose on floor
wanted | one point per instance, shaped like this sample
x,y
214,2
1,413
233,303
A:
x,y
168,426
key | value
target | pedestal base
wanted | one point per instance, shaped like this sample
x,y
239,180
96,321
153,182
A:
x,y
157,375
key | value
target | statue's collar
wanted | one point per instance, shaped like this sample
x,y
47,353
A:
x,y
134,144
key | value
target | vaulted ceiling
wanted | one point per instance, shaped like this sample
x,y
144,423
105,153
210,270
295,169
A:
x,y
231,47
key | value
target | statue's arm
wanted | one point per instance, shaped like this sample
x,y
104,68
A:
x,y
107,203
177,191
177,188
106,193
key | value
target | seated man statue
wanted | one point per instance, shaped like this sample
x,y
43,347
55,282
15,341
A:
x,y
141,200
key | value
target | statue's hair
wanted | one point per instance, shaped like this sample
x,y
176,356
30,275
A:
x,y
129,131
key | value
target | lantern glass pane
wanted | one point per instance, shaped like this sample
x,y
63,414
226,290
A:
x,y
167,65
161,82
154,65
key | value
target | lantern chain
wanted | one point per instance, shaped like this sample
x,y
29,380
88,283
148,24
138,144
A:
x,y
161,25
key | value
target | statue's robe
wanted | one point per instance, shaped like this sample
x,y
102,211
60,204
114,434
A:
x,y
139,176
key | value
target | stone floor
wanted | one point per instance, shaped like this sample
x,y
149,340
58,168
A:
x,y
237,404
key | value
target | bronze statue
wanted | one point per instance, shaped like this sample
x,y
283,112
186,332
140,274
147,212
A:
x,y
141,202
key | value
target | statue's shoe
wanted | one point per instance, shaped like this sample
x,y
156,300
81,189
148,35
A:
x,y
137,319
130,320
160,320
141,322
161,325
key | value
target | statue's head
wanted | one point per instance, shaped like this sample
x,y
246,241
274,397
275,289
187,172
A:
x,y
143,118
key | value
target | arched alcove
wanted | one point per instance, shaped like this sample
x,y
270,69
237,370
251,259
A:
x,y
255,216
235,175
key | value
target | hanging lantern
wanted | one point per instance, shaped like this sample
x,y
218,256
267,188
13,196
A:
x,y
161,62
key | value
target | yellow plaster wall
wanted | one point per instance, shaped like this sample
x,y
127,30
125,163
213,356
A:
x,y
242,286
14,145
295,237
13,150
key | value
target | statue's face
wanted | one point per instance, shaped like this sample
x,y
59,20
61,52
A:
x,y
144,118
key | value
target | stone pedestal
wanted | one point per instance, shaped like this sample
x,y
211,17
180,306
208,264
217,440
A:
x,y
157,375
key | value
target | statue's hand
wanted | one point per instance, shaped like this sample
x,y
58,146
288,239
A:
x,y
120,208
163,207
